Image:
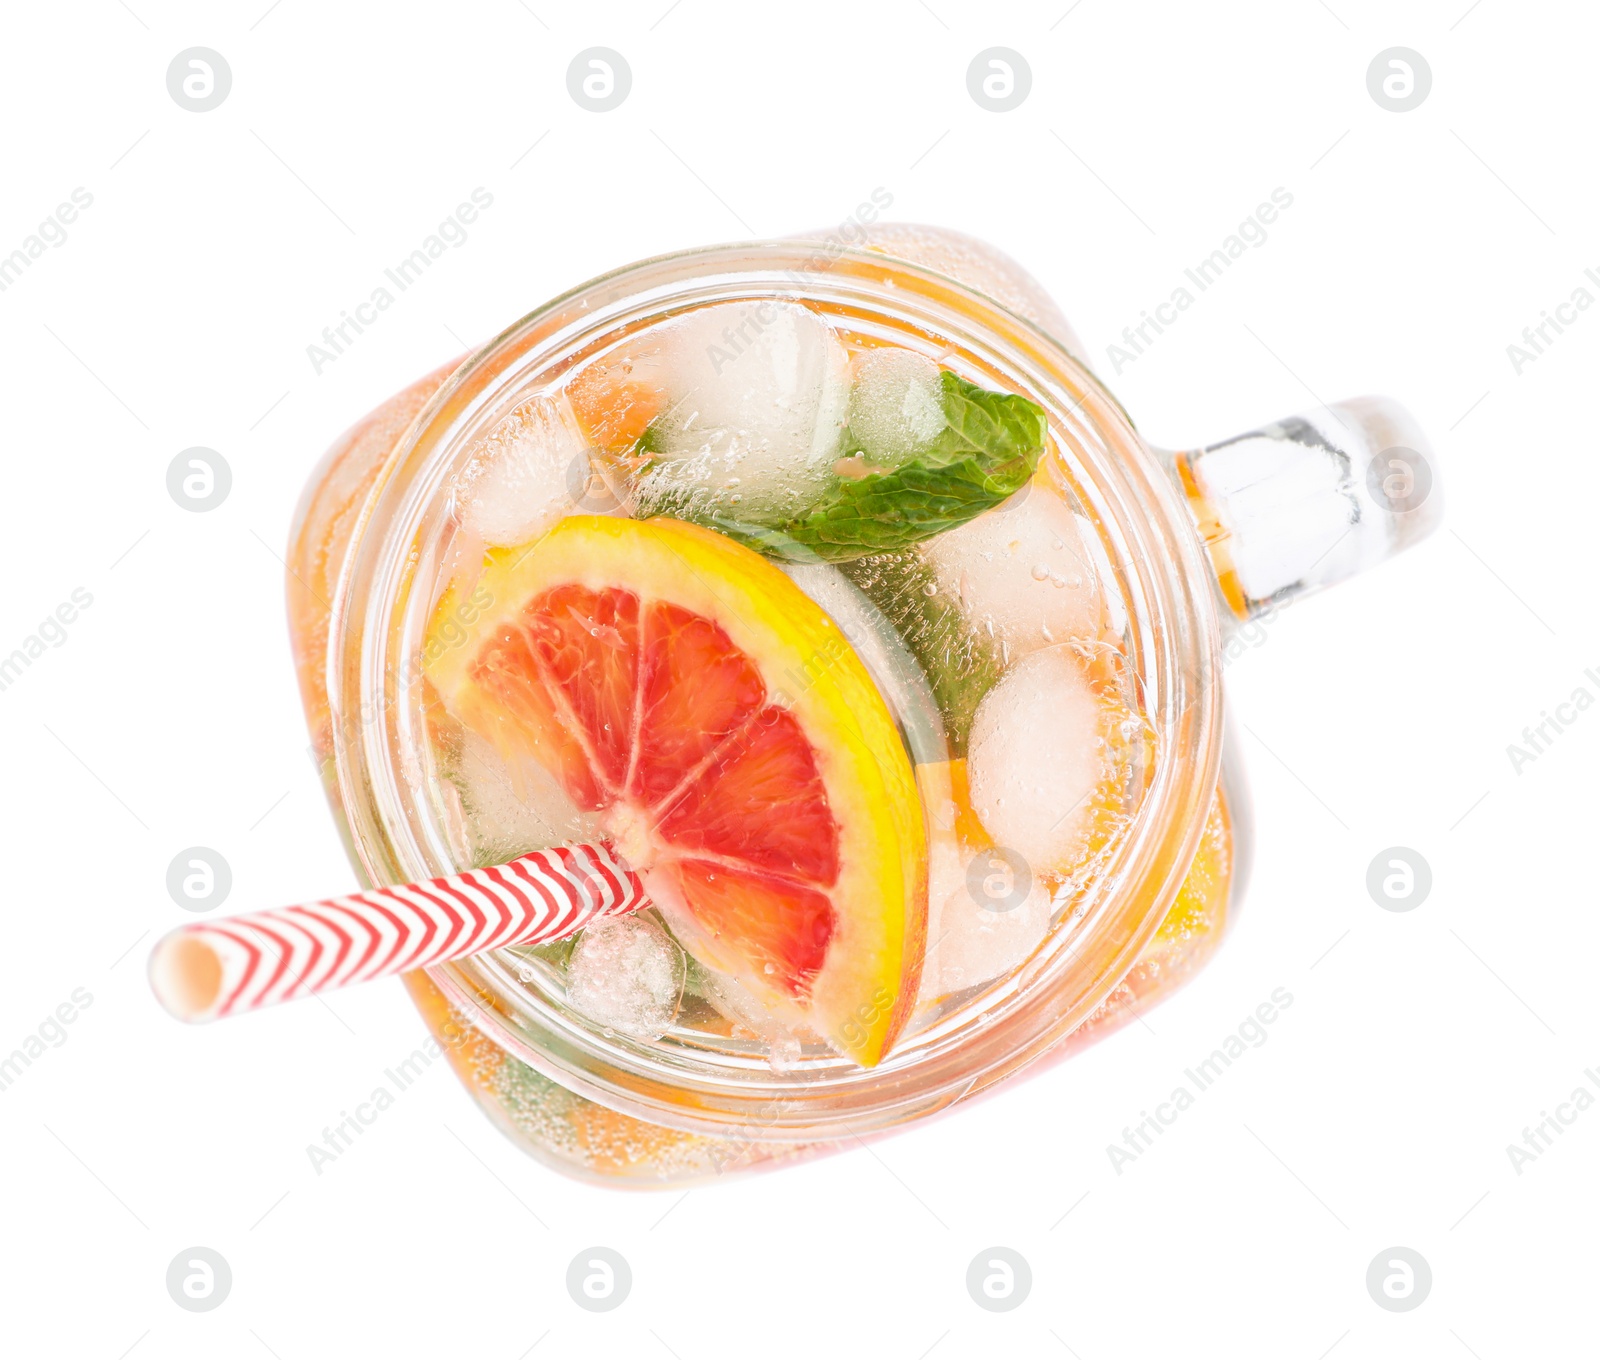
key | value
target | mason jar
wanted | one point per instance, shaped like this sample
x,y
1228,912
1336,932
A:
x,y
1190,546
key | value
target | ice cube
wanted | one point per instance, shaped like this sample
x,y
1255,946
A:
x,y
759,391
1020,571
528,473
982,921
626,975
1036,758
506,812
972,941
895,405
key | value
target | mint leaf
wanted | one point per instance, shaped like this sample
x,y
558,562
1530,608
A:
x,y
988,449
995,427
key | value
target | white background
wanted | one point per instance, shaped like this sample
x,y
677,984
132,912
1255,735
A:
x,y
1418,1046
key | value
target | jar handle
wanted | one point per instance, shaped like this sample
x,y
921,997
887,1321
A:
x,y
1307,501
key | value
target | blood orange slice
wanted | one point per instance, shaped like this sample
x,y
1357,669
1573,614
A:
x,y
733,746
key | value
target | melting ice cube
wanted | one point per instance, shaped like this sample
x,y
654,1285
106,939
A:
x,y
758,396
982,922
626,975
1020,571
1036,759
895,405
972,942
527,474
506,812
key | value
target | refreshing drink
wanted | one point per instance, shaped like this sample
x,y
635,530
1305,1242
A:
x,y
850,612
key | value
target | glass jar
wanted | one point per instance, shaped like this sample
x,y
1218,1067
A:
x,y
1190,546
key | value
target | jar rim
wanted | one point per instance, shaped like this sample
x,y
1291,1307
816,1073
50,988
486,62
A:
x,y
1173,640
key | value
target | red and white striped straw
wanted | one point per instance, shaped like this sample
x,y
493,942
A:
x,y
242,963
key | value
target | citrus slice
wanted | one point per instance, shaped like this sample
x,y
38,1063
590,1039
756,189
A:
x,y
731,744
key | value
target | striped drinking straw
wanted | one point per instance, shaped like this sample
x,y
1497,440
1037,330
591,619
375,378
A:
x,y
242,963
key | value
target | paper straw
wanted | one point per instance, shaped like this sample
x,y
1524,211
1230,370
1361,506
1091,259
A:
x,y
242,963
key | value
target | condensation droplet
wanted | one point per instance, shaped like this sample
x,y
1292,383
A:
x,y
1039,571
